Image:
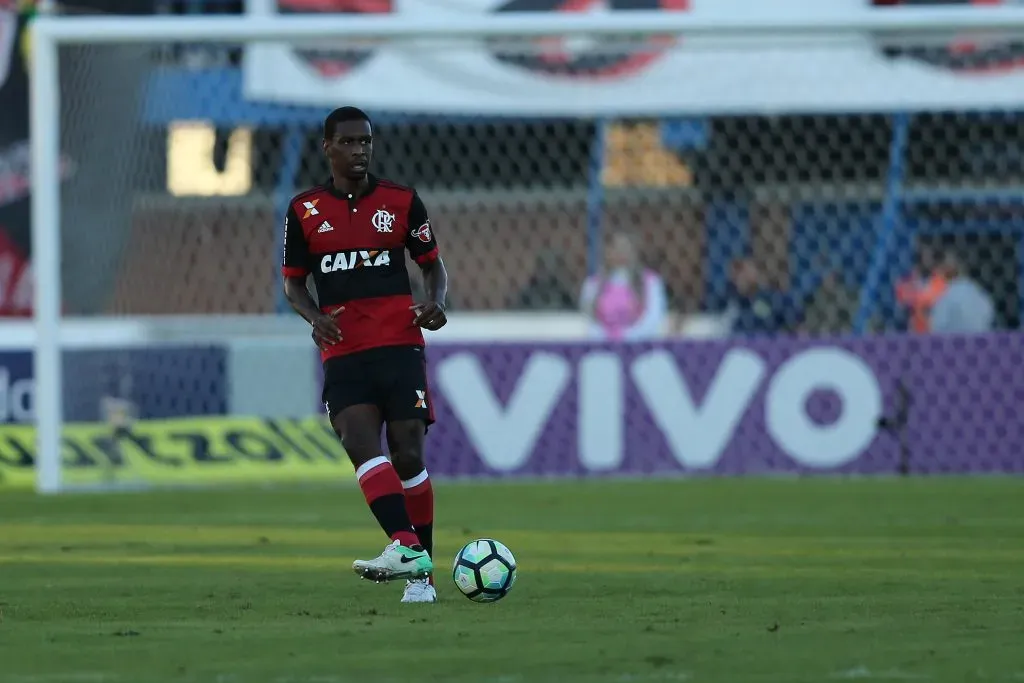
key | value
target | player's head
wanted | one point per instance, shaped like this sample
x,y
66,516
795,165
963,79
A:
x,y
928,258
348,142
621,252
745,275
950,267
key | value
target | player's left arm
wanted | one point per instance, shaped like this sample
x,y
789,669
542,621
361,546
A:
x,y
422,245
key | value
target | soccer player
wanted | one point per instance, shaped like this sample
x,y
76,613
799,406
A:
x,y
351,234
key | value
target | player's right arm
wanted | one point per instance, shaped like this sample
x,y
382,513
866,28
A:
x,y
295,269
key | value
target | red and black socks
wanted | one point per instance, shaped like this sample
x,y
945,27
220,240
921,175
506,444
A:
x,y
386,498
419,502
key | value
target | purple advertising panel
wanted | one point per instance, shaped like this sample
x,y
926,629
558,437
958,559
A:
x,y
729,407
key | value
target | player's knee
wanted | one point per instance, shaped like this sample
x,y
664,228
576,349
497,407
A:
x,y
405,444
359,452
359,434
360,445
407,457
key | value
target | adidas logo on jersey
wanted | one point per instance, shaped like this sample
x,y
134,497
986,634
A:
x,y
350,260
325,227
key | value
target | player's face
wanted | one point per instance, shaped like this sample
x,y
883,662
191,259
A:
x,y
746,277
620,252
350,150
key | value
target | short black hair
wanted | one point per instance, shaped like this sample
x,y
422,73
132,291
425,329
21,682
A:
x,y
341,115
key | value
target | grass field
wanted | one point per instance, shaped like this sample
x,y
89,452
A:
x,y
724,581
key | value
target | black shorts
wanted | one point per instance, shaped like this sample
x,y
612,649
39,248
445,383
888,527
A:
x,y
393,378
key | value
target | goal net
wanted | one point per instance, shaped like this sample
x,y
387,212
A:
x,y
838,165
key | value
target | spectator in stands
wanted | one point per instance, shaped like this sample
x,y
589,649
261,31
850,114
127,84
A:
x,y
625,300
919,291
831,308
964,306
832,302
549,287
755,308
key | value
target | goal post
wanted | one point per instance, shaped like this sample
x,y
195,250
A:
x,y
50,34
44,131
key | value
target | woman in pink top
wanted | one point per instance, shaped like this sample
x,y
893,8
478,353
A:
x,y
624,301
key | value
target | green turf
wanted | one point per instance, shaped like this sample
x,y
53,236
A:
x,y
722,581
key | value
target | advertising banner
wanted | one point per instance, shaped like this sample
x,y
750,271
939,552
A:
x,y
158,416
202,450
17,387
151,383
783,406
15,280
772,406
15,276
582,77
98,78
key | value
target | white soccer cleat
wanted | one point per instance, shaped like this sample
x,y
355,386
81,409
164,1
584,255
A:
x,y
395,563
419,590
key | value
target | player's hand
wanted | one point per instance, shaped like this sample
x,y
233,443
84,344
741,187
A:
x,y
429,316
325,328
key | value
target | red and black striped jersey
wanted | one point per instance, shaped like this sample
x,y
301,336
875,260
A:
x,y
354,246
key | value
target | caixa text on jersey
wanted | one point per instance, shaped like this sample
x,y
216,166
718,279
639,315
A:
x,y
350,260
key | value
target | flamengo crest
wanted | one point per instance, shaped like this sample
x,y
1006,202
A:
x,y
382,220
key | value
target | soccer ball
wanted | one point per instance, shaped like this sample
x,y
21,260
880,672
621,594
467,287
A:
x,y
484,570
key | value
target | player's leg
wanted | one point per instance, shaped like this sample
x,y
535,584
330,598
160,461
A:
x,y
404,558
357,420
408,412
405,443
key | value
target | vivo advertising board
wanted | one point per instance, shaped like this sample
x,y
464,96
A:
x,y
757,407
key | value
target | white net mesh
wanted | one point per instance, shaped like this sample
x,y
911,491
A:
x,y
824,224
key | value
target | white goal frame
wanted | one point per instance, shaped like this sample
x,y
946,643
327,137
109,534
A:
x,y
50,32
